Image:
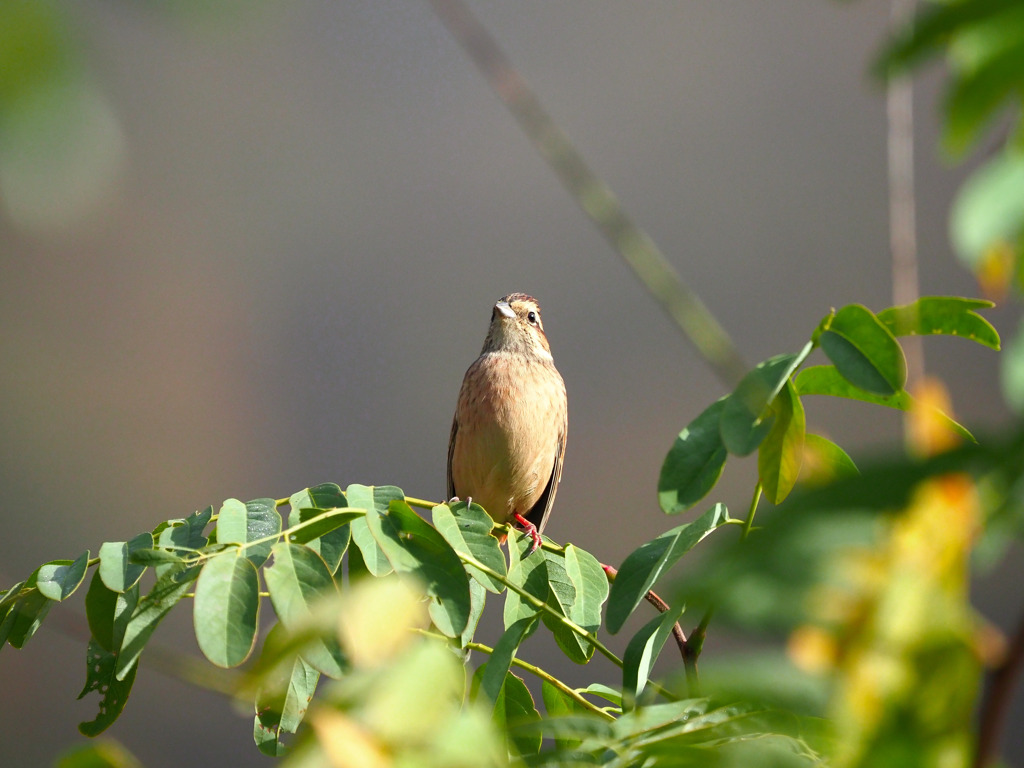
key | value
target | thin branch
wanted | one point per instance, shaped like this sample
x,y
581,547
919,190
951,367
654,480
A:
x,y
996,705
638,250
902,202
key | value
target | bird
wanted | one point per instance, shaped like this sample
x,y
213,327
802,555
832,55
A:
x,y
511,422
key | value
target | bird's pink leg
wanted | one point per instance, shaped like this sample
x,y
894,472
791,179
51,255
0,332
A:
x,y
530,530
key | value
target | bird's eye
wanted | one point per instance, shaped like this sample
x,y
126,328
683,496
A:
x,y
532,317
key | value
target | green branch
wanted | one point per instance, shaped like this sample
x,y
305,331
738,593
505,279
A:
x,y
750,512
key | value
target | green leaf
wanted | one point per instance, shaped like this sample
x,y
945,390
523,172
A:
x,y
1012,372
102,754
322,496
356,567
746,418
562,597
513,707
6,623
297,580
108,612
930,30
148,557
579,598
24,616
185,533
116,568
864,350
181,536
59,578
594,733
477,600
370,497
8,599
371,555
148,614
10,595
529,573
330,543
665,731
467,528
282,699
226,609
645,565
101,676
413,546
889,482
975,94
609,694
826,380
591,583
319,523
642,651
694,462
497,666
254,520
824,461
988,210
781,454
946,315
559,704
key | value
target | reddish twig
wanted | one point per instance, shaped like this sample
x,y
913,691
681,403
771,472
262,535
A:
x,y
689,649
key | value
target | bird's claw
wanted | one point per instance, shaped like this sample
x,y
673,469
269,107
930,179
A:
x,y
530,530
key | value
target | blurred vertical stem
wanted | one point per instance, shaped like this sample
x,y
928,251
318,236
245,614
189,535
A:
x,y
748,524
902,202
998,702
638,250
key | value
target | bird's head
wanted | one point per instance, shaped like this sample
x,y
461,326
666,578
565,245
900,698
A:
x,y
516,327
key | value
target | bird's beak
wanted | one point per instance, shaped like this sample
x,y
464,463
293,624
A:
x,y
505,309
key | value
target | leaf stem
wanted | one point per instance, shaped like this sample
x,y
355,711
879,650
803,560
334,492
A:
x,y
539,604
421,503
753,508
549,678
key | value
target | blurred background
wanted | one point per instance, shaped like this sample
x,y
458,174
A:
x,y
250,247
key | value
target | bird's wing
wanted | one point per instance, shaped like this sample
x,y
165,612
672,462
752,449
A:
x,y
541,511
451,453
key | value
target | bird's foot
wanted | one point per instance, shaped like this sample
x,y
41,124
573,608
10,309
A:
x,y
530,530
456,499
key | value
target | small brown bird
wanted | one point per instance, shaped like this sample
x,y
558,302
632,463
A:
x,y
511,421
